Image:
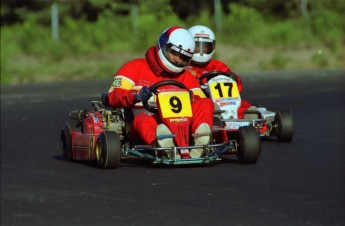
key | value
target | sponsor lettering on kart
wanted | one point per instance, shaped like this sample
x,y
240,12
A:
x,y
102,134
236,125
222,88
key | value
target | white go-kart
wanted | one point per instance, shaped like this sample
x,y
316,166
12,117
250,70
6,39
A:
x,y
223,90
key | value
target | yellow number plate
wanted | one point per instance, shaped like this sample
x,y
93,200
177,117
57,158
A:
x,y
223,89
175,104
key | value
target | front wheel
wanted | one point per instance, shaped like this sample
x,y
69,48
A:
x,y
108,150
249,148
285,128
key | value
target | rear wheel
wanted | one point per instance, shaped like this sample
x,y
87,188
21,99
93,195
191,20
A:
x,y
285,128
66,140
249,148
108,150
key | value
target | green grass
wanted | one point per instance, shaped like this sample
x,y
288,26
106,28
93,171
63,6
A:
x,y
248,42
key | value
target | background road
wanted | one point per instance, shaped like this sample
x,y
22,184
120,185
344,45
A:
x,y
298,183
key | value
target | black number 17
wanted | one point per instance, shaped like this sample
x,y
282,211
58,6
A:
x,y
227,84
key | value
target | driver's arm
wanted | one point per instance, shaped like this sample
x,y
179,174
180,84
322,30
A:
x,y
122,92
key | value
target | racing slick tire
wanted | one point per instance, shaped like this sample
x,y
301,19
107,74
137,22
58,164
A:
x,y
66,140
108,150
285,129
249,148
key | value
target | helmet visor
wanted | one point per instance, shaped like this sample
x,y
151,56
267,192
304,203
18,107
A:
x,y
177,56
206,47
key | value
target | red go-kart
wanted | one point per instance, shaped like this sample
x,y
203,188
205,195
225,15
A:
x,y
102,135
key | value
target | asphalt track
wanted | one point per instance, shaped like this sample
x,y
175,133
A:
x,y
298,183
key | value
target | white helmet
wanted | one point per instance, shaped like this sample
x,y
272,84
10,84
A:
x,y
178,42
205,43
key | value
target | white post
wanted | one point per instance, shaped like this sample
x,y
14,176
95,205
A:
x,y
55,21
218,16
304,8
135,18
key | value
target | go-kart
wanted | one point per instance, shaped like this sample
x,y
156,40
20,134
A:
x,y
222,88
102,134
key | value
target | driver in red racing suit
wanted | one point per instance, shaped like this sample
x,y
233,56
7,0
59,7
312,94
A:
x,y
202,61
165,61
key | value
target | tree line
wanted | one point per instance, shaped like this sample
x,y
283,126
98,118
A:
x,y
16,11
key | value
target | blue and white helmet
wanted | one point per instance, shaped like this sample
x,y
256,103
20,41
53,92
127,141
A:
x,y
205,43
179,42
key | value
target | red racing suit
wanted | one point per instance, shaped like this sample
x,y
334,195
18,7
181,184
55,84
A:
x,y
216,65
135,74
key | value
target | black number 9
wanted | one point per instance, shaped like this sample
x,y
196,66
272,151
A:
x,y
175,104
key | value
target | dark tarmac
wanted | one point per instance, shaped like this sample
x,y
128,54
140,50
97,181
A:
x,y
298,183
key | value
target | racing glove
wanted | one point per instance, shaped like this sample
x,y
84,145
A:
x,y
144,94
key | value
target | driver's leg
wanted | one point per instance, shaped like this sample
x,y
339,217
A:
x,y
203,110
145,125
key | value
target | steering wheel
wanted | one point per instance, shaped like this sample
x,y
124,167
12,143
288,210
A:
x,y
213,74
154,88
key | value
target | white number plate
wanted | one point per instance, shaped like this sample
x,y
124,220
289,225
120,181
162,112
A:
x,y
235,125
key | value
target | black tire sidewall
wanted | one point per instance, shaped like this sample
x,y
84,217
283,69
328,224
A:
x,y
66,142
249,149
110,150
285,126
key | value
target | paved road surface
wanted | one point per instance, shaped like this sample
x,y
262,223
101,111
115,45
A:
x,y
298,183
